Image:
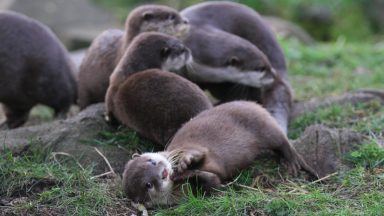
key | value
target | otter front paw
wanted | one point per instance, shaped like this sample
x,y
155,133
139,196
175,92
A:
x,y
188,158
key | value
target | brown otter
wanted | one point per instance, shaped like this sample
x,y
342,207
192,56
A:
x,y
214,146
147,50
215,18
156,103
35,68
241,62
107,49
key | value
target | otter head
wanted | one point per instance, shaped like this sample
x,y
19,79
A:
x,y
157,18
222,57
147,179
247,65
156,50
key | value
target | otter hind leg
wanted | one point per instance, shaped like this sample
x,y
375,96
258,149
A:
x,y
16,116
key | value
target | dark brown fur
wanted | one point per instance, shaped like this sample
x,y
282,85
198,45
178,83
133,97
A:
x,y
35,68
107,49
220,142
147,50
244,22
156,103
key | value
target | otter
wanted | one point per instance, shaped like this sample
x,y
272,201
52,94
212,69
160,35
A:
x,y
216,18
106,50
242,62
147,50
35,68
156,103
214,146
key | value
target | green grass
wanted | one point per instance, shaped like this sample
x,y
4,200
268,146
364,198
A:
x,y
366,118
45,185
37,183
333,68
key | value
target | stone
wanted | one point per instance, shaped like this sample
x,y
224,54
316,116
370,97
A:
x,y
324,148
74,21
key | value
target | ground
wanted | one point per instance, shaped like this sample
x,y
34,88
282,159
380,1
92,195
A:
x,y
39,183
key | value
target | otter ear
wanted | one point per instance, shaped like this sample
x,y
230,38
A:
x,y
135,155
147,15
233,61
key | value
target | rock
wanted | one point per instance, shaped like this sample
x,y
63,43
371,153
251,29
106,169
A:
x,y
355,97
288,29
323,148
74,21
68,136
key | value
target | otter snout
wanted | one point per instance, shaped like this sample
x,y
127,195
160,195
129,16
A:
x,y
177,59
185,21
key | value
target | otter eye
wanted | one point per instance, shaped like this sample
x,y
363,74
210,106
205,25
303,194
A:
x,y
165,51
233,61
147,15
172,16
149,185
152,162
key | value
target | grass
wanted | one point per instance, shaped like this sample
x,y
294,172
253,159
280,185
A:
x,y
36,183
367,118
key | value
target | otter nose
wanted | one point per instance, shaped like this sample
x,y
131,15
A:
x,y
185,21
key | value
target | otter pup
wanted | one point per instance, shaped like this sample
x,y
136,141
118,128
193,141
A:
x,y
215,18
35,68
147,50
214,146
156,103
107,49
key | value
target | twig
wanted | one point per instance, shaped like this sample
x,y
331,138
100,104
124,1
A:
x,y
247,187
314,182
101,175
232,182
107,162
321,179
65,154
295,187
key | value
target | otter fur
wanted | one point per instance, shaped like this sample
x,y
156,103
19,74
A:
x,y
107,49
214,146
35,68
157,103
222,18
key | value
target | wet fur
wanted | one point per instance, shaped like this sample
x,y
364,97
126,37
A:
x,y
35,68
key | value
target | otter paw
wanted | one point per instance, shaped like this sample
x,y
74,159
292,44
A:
x,y
187,159
293,167
107,117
